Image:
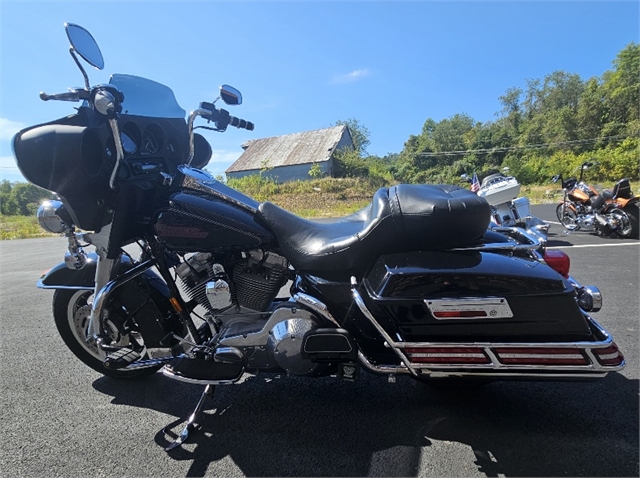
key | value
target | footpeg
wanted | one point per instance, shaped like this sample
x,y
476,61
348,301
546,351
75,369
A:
x,y
121,358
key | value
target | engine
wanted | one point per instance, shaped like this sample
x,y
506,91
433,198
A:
x,y
252,283
239,297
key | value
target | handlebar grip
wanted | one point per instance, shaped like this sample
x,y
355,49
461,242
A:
x,y
240,123
222,118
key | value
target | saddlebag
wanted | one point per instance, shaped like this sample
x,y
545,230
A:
x,y
472,297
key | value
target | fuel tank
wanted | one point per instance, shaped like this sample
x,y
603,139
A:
x,y
195,221
473,296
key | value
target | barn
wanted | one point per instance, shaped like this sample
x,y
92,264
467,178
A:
x,y
290,157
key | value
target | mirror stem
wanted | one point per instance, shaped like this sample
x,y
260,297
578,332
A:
x,y
192,118
87,86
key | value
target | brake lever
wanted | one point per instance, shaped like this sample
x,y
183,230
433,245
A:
x,y
71,95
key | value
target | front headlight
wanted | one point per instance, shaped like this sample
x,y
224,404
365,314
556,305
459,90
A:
x,y
49,219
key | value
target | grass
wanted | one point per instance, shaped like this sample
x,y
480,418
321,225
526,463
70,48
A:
x,y
21,227
310,199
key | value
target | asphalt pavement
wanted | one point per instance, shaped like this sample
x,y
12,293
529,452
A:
x,y
60,418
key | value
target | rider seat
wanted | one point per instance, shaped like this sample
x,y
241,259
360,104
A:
x,y
400,218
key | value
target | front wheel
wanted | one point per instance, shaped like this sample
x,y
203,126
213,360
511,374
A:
x,y
567,216
71,311
627,220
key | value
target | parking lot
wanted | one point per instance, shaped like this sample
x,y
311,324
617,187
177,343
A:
x,y
60,418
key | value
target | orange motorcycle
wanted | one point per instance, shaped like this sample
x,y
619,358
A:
x,y
583,207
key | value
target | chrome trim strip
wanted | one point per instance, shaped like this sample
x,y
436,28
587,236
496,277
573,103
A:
x,y
533,242
434,354
401,369
576,355
315,305
389,369
493,308
574,349
170,374
363,308
148,363
40,285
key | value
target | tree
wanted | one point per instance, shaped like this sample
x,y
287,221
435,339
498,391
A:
x,y
8,205
359,134
28,197
622,84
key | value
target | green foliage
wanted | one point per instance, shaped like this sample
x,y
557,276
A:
x,y
553,125
21,198
20,227
315,171
359,134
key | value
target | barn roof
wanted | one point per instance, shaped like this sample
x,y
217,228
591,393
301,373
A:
x,y
287,150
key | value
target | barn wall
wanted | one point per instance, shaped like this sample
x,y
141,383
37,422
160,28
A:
x,y
283,174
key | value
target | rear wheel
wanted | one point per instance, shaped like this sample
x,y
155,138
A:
x,y
627,221
71,311
567,216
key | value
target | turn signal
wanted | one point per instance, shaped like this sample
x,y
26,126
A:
x,y
589,298
558,261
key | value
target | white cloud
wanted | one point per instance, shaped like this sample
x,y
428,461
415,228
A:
x,y
223,156
221,160
9,128
351,76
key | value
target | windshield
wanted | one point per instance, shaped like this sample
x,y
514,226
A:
x,y
143,97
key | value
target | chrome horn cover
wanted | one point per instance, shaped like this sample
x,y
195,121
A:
x,y
48,217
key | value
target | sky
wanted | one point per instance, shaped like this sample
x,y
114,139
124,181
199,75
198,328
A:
x,y
305,65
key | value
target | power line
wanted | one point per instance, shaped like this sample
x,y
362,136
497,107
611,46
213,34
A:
x,y
611,139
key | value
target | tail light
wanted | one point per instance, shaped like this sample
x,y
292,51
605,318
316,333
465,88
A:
x,y
540,356
609,355
447,355
558,261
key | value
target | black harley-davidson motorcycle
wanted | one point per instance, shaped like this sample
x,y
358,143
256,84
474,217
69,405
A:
x,y
413,284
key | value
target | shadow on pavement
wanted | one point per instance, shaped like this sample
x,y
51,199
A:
x,y
291,426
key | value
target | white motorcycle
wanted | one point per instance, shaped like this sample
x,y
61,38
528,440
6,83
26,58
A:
x,y
507,209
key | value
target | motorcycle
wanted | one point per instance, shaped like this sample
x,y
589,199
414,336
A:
x,y
507,209
415,284
583,207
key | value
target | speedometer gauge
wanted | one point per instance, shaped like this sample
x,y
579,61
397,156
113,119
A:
x,y
128,145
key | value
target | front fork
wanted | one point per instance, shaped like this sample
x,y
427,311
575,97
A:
x,y
106,283
75,258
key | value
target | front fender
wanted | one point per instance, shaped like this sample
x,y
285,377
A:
x,y
61,277
154,317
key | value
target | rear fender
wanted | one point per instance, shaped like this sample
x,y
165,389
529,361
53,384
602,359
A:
x,y
622,203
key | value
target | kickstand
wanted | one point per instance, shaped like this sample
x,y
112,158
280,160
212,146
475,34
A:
x,y
191,425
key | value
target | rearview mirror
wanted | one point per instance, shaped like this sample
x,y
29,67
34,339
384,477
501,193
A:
x,y
230,95
84,45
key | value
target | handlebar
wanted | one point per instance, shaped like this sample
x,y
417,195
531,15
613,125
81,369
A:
x,y
222,118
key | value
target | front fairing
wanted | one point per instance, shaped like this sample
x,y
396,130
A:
x,y
75,156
